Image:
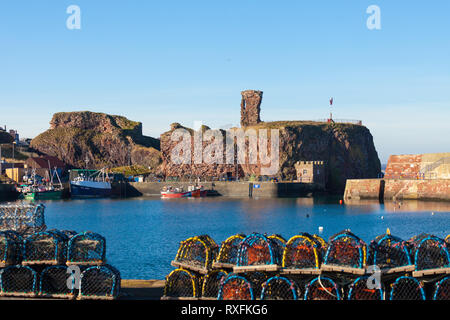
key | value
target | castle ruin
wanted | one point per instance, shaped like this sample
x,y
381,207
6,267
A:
x,y
250,107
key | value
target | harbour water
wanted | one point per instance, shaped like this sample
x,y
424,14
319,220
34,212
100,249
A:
x,y
143,233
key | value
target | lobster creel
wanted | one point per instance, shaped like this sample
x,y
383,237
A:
x,y
279,288
100,283
57,282
86,248
259,251
181,283
442,289
10,248
322,288
390,253
302,253
211,283
407,288
197,254
360,290
236,287
19,281
44,248
431,255
227,257
346,253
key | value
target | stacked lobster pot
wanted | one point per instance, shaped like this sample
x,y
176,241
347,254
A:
x,y
194,276
56,264
37,262
306,267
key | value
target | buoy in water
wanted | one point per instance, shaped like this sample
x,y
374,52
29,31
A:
x,y
320,229
340,201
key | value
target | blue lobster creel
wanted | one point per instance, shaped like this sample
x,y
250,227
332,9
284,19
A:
x,y
18,281
100,282
257,249
279,288
46,247
387,251
407,288
10,248
236,287
58,282
430,252
346,250
322,288
359,290
442,289
86,248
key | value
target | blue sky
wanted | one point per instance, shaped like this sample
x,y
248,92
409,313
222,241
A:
x,y
160,62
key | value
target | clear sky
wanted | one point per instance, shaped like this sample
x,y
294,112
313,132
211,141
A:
x,y
160,62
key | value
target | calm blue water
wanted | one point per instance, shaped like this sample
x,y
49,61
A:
x,y
143,234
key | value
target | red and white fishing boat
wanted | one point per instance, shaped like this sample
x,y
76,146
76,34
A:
x,y
193,192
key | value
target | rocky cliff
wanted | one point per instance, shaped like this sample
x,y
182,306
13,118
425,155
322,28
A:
x,y
347,149
105,140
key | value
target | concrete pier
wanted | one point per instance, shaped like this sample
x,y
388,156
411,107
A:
x,y
231,188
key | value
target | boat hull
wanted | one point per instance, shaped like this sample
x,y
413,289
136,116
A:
x,y
84,191
188,194
43,195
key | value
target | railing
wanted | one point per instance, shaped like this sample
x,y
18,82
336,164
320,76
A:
x,y
434,165
357,122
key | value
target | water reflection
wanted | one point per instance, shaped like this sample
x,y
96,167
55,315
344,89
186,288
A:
x,y
402,206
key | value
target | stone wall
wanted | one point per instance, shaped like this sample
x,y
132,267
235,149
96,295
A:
x,y
231,189
435,189
363,189
420,166
397,189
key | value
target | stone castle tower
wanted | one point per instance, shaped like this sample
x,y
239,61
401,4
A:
x,y
250,107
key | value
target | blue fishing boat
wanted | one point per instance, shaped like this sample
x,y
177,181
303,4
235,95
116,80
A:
x,y
95,185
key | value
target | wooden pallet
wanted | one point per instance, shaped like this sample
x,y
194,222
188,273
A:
x,y
178,298
187,266
402,269
334,268
427,272
260,268
39,262
301,271
222,265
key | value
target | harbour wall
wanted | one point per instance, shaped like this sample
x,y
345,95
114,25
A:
x,y
231,188
393,189
7,192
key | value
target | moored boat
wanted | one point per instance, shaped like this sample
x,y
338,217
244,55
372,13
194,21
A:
x,y
96,185
193,192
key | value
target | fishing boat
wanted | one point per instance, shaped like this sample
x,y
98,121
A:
x,y
192,192
41,189
90,185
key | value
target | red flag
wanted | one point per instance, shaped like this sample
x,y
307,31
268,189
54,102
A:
x,y
331,101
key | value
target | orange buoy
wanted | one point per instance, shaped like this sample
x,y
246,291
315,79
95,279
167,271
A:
x,y
340,201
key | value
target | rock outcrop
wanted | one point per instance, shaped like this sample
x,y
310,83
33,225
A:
x,y
347,150
104,140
